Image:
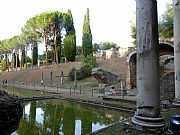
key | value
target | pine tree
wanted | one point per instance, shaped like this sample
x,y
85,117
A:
x,y
87,36
23,57
35,54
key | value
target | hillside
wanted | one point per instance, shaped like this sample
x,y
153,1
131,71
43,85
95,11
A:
x,y
115,65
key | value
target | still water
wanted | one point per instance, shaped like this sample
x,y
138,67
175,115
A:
x,y
57,117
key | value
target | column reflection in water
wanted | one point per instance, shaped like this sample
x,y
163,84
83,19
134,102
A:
x,y
78,127
65,118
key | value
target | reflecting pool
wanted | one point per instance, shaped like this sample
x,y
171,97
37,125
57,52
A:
x,y
57,117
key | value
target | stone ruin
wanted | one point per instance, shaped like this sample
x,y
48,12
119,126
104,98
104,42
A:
x,y
105,77
11,112
167,87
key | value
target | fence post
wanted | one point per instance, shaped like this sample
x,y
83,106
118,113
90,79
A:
x,y
70,90
57,86
13,83
42,78
34,85
74,89
26,85
80,89
62,79
92,91
124,92
44,86
75,79
51,78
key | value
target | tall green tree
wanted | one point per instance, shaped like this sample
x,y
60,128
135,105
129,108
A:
x,y
15,42
56,28
69,24
29,32
166,23
23,56
48,27
70,47
87,36
35,54
25,45
70,38
43,23
133,32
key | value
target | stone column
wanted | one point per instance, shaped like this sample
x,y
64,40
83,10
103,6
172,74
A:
x,y
128,85
148,89
177,47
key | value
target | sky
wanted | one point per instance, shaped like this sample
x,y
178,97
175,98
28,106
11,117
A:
x,y
109,19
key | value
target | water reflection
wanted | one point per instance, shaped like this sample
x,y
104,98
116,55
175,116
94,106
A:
x,y
64,118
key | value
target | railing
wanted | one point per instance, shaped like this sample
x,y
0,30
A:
x,y
55,88
93,92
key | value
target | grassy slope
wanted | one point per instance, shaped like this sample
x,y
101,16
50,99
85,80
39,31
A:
x,y
115,65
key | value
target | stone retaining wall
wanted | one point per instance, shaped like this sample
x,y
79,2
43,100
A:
x,y
167,87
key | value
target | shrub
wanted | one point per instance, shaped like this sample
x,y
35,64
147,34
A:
x,y
3,65
71,74
85,71
89,60
28,64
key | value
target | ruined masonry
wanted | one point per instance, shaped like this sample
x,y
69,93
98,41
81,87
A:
x,y
104,77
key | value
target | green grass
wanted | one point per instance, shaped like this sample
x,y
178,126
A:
x,y
85,84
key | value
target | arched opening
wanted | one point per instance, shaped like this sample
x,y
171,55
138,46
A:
x,y
166,56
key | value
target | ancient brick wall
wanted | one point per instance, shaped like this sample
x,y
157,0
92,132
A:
x,y
167,87
166,65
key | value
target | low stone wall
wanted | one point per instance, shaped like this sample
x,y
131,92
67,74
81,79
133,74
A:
x,y
167,87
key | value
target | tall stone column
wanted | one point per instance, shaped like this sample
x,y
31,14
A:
x,y
128,85
148,89
177,47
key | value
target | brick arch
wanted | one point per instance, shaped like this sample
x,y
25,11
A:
x,y
165,48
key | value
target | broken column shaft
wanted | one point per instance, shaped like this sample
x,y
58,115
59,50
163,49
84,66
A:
x,y
148,89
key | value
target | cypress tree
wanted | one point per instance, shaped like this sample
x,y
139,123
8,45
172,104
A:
x,y
69,23
70,39
69,47
87,36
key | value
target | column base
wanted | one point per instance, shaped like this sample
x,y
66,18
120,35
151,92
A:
x,y
148,122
